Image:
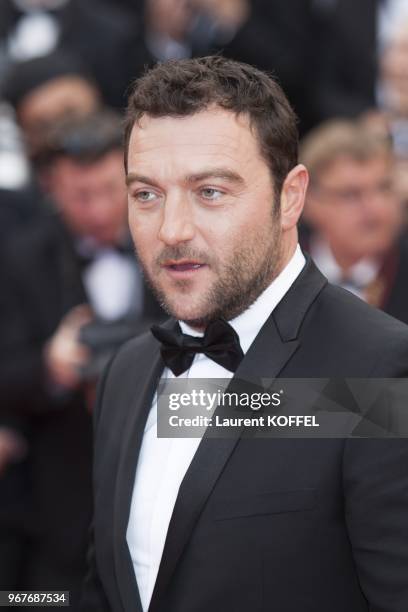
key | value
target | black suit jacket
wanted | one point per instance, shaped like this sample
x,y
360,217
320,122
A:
x,y
345,62
260,524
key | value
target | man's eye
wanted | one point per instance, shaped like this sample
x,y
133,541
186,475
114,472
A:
x,y
145,196
210,193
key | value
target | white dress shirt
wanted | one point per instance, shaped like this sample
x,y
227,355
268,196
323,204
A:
x,y
113,284
163,462
392,20
359,276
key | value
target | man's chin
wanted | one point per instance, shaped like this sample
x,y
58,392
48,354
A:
x,y
195,317
184,303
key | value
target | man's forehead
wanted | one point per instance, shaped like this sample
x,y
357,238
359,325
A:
x,y
213,127
180,146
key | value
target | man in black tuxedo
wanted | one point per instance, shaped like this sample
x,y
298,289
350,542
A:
x,y
187,525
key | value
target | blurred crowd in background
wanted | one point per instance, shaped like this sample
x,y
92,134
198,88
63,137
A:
x,y
71,289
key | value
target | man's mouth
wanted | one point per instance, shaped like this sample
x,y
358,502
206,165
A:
x,y
183,265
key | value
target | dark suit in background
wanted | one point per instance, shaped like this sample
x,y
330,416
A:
x,y
259,524
395,300
38,289
280,37
323,52
346,58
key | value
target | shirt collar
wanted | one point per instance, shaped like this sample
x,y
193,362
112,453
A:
x,y
249,323
359,275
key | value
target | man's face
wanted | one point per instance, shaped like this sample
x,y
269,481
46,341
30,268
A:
x,y
201,213
354,207
91,197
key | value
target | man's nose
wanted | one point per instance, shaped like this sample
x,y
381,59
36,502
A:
x,y
177,223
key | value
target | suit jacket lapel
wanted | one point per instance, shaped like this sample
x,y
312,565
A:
x,y
145,387
271,350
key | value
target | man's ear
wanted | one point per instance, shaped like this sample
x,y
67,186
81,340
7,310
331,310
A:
x,y
293,196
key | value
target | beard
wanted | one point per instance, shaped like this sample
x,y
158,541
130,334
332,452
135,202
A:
x,y
249,269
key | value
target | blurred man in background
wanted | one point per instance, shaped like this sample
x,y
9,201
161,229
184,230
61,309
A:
x,y
355,214
71,268
40,93
46,90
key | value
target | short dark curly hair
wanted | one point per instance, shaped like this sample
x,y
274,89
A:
x,y
179,88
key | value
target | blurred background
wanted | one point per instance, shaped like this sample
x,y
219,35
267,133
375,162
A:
x,y
71,288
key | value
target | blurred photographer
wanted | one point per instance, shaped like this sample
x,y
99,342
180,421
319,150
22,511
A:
x,y
72,268
87,185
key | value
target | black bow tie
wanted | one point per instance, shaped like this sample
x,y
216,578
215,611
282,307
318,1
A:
x,y
220,343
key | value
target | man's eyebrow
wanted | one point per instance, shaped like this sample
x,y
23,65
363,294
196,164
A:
x,y
220,173
132,177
